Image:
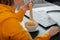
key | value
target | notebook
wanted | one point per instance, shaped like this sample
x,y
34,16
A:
x,y
42,18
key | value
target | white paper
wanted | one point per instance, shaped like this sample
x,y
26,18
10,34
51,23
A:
x,y
42,17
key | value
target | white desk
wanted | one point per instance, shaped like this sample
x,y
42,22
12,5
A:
x,y
37,13
55,17
42,30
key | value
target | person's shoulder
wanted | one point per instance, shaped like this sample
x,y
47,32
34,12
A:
x,y
6,15
6,12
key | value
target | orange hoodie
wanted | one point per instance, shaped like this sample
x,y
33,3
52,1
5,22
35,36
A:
x,y
11,29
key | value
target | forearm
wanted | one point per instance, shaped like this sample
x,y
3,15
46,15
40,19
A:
x,y
21,12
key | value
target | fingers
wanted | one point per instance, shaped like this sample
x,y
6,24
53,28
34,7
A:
x,y
26,6
55,28
31,3
19,2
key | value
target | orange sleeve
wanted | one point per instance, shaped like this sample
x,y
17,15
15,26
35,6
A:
x,y
45,36
12,29
21,14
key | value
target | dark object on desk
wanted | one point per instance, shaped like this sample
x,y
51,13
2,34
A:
x,y
57,2
34,34
53,11
56,37
48,26
53,1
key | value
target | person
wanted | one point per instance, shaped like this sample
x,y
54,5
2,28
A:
x,y
10,27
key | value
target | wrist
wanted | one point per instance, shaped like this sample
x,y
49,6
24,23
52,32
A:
x,y
53,31
23,9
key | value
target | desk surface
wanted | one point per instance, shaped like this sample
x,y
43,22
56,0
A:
x,y
55,16
41,29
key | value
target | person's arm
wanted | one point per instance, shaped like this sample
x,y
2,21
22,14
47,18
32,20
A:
x,y
49,33
13,30
21,12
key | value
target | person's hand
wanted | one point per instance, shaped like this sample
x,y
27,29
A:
x,y
26,6
18,2
53,31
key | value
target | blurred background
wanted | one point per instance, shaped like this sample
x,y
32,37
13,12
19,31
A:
x,y
44,2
